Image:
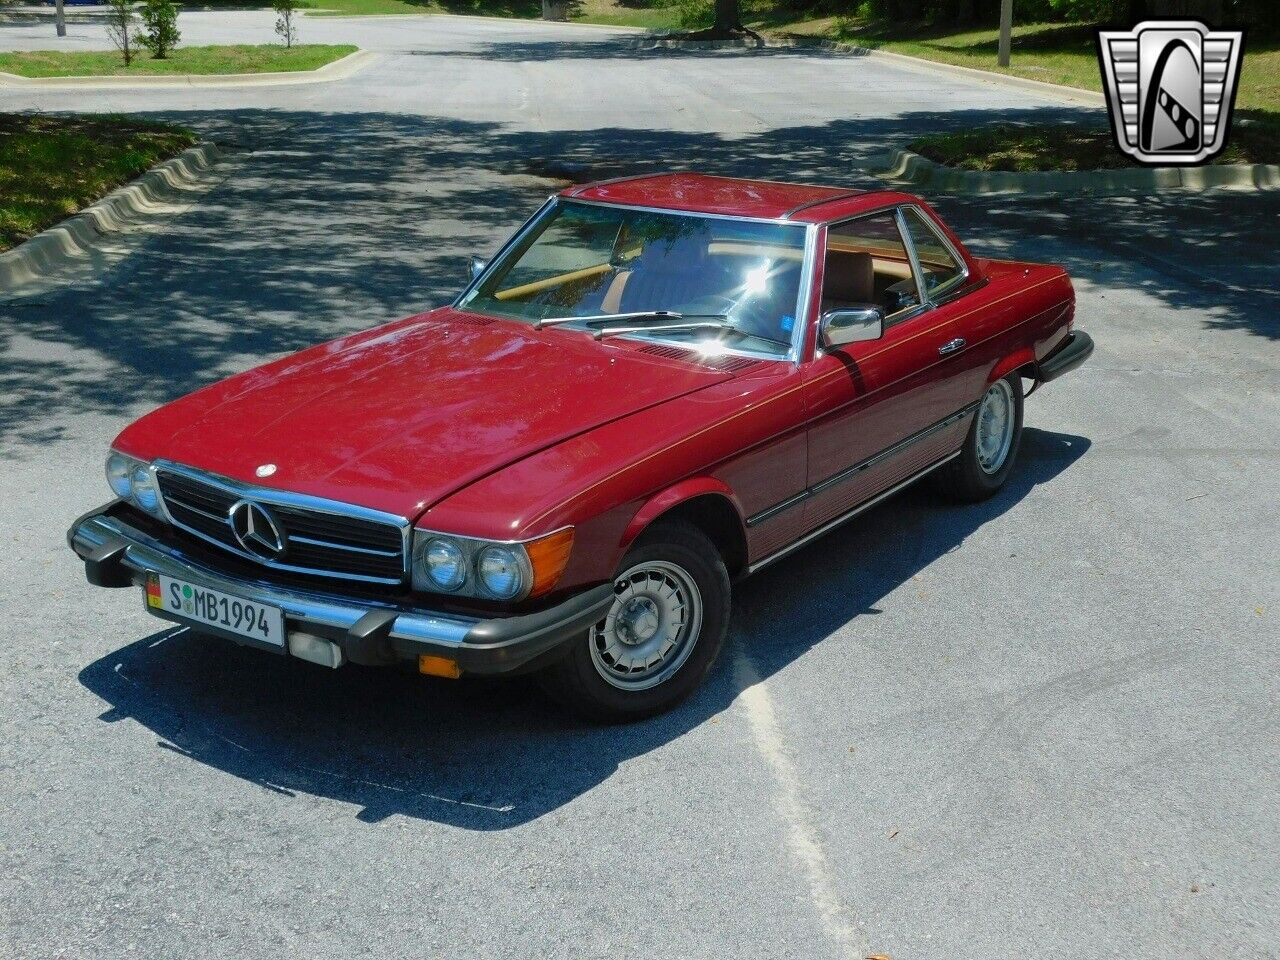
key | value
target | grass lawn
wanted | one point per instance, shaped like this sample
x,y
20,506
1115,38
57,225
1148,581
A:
x,y
619,15
265,58
1024,148
51,166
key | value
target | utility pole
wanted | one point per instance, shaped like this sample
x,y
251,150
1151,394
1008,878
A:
x,y
1006,30
61,18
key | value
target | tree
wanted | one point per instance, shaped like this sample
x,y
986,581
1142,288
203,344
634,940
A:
x,y
285,10
160,20
120,21
728,16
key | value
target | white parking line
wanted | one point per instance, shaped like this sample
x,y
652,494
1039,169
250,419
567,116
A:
x,y
837,919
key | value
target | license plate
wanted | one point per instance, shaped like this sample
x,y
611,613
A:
x,y
197,604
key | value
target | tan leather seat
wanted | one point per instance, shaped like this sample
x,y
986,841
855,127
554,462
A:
x,y
848,280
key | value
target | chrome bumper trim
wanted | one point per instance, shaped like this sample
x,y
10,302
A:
x,y
144,553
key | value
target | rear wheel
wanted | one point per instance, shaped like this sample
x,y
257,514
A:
x,y
666,626
989,450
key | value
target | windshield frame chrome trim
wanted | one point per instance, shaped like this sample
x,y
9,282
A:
x,y
808,270
682,211
547,206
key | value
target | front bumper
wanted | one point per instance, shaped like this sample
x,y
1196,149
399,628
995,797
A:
x,y
118,554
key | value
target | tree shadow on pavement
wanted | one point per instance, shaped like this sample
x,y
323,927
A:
x,y
491,755
335,222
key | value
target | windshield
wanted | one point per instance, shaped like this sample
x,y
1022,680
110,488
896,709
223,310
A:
x,y
593,262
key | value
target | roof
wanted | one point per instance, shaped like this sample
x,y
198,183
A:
x,y
701,193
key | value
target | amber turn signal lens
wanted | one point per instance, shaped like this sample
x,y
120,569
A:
x,y
548,556
438,666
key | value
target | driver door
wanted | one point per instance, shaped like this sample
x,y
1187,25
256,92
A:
x,y
878,409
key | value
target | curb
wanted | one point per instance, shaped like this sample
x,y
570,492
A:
x,y
904,165
351,64
173,182
669,43
1071,94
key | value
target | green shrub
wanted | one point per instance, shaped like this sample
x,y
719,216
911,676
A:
x,y
160,27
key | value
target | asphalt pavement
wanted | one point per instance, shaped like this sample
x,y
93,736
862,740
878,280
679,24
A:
x,y
1044,726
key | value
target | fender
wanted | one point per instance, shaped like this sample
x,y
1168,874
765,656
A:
x,y
671,497
1022,357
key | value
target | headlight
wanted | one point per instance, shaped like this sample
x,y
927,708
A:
x,y
445,564
131,479
120,474
468,567
500,571
144,489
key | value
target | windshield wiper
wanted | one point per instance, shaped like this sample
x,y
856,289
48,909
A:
x,y
687,321
683,321
606,317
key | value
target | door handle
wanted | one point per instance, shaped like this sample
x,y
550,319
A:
x,y
951,346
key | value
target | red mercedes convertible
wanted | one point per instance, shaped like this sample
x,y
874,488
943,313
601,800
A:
x,y
658,386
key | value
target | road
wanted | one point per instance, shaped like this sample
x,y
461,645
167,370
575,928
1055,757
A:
x,y
1043,726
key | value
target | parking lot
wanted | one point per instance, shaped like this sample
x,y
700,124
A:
x,y
1043,726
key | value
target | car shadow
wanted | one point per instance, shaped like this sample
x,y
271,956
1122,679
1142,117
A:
x,y
494,754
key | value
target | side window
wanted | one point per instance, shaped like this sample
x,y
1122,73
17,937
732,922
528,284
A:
x,y
867,265
937,265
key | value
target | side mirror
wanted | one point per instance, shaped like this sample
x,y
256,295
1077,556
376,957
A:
x,y
840,327
477,267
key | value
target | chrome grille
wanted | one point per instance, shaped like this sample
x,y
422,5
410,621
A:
x,y
320,536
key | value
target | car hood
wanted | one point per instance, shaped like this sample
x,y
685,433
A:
x,y
400,417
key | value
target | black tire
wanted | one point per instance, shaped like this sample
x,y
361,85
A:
x,y
577,680
964,478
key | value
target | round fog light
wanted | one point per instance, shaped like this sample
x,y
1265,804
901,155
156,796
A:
x,y
500,572
445,564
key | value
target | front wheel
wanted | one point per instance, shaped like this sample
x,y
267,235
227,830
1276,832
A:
x,y
666,626
991,446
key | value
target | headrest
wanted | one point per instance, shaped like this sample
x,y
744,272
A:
x,y
849,277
